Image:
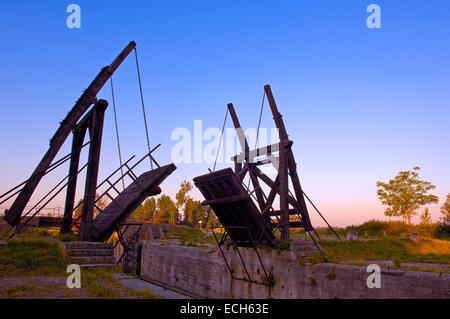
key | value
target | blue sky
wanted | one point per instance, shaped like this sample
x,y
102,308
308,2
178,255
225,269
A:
x,y
360,104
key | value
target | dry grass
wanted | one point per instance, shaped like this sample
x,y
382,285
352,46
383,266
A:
x,y
397,250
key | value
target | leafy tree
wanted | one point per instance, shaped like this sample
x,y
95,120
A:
x,y
425,218
211,219
194,212
78,210
167,212
102,203
145,211
405,194
445,210
182,196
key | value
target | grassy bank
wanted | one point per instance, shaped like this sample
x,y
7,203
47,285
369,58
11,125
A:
x,y
397,250
186,236
31,257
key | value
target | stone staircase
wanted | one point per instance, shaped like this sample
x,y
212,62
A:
x,y
305,249
90,254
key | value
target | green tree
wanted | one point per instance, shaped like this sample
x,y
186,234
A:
x,y
145,211
211,219
182,195
194,212
445,210
167,212
102,203
425,217
405,194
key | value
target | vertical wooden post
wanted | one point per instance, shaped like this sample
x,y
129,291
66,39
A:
x,y
283,164
96,131
299,192
77,143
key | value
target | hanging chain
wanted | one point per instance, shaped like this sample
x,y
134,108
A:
x,y
143,106
259,126
117,131
221,138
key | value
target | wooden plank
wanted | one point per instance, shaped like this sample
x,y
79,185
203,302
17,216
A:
x,y
233,206
225,200
128,201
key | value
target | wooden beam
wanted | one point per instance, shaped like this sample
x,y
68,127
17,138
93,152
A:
x,y
277,212
77,142
81,106
225,200
258,190
298,191
277,117
92,170
240,134
266,150
283,164
273,185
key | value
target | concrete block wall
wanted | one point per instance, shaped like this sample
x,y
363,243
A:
x,y
202,273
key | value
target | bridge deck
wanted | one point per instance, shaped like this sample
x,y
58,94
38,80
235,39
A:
x,y
235,209
126,203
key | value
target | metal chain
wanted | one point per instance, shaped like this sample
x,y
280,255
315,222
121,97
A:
x,y
221,137
143,106
259,126
117,131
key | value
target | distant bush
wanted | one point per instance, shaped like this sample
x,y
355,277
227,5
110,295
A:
x,y
443,231
427,230
379,228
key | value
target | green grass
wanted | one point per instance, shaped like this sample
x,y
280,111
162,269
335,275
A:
x,y
397,250
67,237
144,294
103,291
383,229
31,257
189,235
284,244
21,289
101,283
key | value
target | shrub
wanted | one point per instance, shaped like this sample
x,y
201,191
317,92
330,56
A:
x,y
285,244
443,231
377,228
68,237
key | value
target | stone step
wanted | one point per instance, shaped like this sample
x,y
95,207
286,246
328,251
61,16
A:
x,y
93,260
86,245
90,252
303,248
307,253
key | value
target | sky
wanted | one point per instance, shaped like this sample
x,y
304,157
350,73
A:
x,y
360,104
